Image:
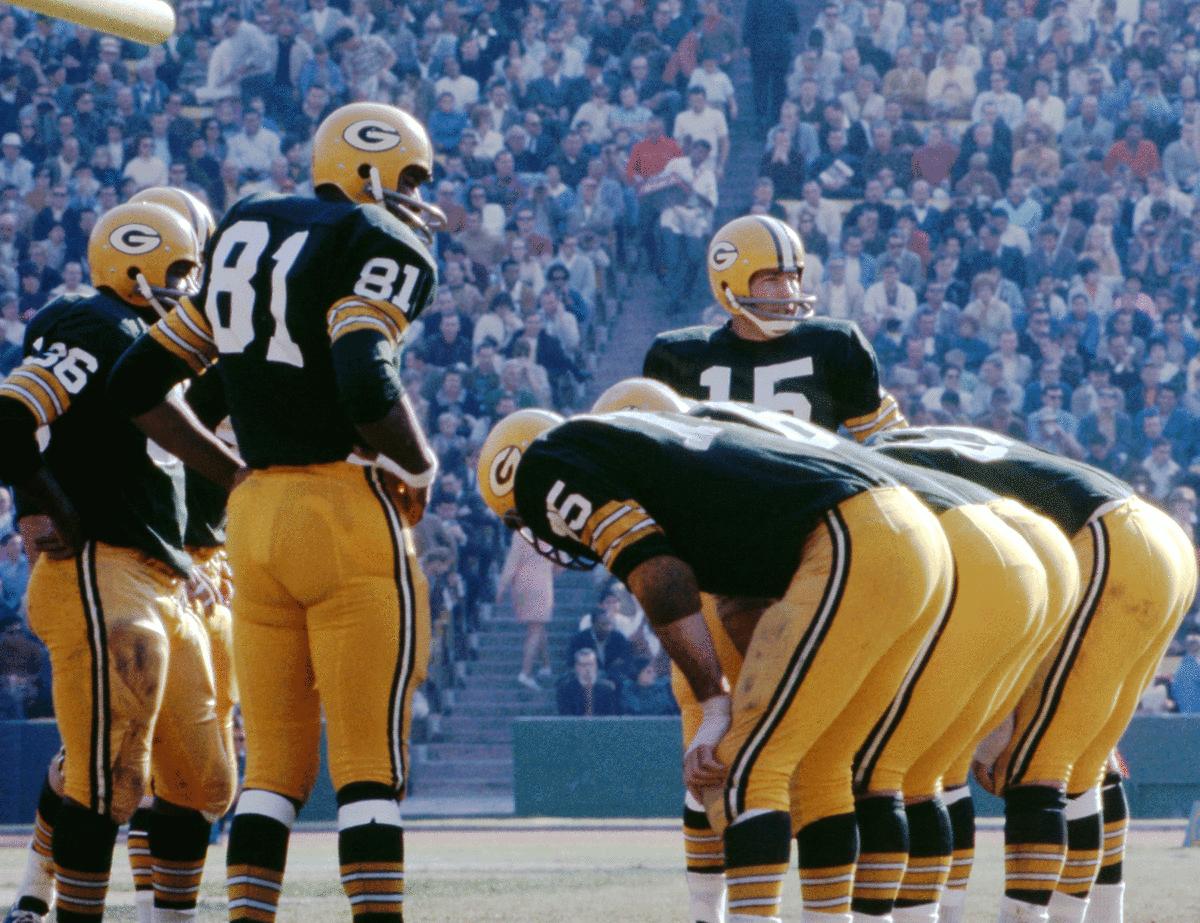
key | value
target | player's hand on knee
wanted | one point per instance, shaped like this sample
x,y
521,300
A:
x,y
701,768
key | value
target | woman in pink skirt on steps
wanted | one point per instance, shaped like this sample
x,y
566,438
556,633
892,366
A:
x,y
530,579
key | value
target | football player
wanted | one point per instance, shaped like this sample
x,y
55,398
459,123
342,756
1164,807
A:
x,y
304,304
807,529
207,591
996,614
208,588
772,352
104,593
1138,577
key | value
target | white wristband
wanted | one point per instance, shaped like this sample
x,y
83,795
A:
x,y
382,462
717,711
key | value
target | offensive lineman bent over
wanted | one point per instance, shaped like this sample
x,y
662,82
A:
x,y
1138,576
804,526
304,304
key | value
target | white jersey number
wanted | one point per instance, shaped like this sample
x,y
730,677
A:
x,y
235,280
719,378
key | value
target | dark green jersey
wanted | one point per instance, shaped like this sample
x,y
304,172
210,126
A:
x,y
936,489
287,276
1067,492
735,503
126,490
823,371
205,500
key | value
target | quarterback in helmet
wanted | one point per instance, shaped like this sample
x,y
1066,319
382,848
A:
x,y
773,352
104,510
304,303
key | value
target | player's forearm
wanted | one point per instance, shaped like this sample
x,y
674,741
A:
x,y
175,428
399,437
144,376
666,589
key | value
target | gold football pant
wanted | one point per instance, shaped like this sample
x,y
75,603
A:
x,y
218,622
132,683
826,660
1010,676
1138,576
331,612
998,602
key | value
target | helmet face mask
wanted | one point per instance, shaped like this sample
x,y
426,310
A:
x,y
780,308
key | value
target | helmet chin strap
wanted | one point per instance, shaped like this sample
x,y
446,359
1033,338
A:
x,y
147,291
155,296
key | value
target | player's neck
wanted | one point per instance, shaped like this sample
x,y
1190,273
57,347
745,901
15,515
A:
x,y
744,329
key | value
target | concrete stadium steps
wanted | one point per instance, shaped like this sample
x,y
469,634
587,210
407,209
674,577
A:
x,y
473,754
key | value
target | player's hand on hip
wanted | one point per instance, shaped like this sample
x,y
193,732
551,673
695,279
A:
x,y
42,535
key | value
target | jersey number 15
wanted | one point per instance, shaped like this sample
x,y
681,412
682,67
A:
x,y
719,378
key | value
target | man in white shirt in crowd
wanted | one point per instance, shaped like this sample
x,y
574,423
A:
x,y
890,297
839,297
686,223
1008,104
702,122
15,170
464,89
254,147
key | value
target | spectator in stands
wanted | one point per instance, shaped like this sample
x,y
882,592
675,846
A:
x,y
1185,685
613,651
584,692
14,570
686,223
21,661
529,578
648,693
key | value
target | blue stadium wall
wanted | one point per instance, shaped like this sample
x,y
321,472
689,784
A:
x,y
629,767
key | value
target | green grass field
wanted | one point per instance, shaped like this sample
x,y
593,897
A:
x,y
527,872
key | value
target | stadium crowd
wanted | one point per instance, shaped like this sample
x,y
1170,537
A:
x,y
1000,192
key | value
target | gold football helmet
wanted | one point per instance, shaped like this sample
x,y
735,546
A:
x,y
142,253
745,247
640,394
377,153
183,203
502,451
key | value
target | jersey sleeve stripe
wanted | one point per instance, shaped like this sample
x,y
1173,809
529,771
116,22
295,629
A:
x,y
602,518
195,321
885,416
384,310
363,322
165,337
47,377
15,392
31,378
643,530
631,522
186,331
